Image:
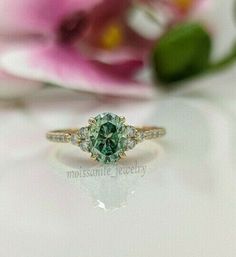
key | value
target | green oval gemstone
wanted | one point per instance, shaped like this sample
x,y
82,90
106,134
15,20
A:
x,y
107,138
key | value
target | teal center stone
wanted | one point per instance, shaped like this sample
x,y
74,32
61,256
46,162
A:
x,y
107,138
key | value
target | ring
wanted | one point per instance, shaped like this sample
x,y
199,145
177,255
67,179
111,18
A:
x,y
107,137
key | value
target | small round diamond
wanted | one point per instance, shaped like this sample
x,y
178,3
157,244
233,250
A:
x,y
83,132
131,143
131,131
75,139
84,146
140,136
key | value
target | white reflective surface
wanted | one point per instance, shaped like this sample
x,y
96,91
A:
x,y
173,197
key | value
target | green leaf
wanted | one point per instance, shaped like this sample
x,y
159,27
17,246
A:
x,y
182,52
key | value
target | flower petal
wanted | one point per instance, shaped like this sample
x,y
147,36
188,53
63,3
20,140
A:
x,y
12,87
34,16
176,10
68,68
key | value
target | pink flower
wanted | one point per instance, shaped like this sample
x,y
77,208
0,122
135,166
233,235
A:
x,y
12,86
175,10
80,44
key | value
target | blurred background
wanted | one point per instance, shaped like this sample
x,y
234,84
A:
x,y
168,63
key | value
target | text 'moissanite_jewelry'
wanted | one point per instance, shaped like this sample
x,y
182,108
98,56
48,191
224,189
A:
x,y
107,137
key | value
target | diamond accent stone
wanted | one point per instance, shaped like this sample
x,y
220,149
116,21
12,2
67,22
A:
x,y
75,139
131,131
131,143
84,132
85,146
140,136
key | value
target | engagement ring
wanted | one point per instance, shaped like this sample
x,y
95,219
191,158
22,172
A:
x,y
107,137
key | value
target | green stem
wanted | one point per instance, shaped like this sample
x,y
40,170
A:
x,y
223,63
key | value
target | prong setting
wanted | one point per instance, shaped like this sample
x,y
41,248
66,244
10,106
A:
x,y
92,121
93,157
123,155
106,138
122,119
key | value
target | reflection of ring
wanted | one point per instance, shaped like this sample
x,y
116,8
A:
x,y
107,137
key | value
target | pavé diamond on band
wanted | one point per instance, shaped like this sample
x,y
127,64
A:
x,y
107,137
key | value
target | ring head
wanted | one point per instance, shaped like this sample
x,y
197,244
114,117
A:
x,y
107,138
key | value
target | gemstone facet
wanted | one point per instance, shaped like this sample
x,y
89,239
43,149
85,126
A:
x,y
107,138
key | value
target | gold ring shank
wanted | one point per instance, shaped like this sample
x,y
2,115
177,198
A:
x,y
61,136
148,132
64,135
